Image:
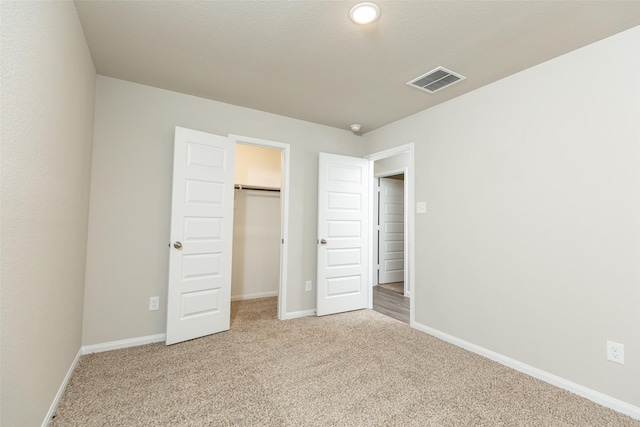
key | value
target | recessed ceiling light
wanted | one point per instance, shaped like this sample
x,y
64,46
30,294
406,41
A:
x,y
364,13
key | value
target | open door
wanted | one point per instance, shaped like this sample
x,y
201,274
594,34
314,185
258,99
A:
x,y
343,234
391,237
199,297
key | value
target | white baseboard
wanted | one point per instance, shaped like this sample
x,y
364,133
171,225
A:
x,y
254,296
115,345
63,387
298,314
594,396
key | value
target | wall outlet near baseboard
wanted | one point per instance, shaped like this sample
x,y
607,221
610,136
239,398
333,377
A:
x,y
307,286
615,352
154,303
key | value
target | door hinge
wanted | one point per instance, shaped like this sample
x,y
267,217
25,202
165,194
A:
x,y
283,241
377,266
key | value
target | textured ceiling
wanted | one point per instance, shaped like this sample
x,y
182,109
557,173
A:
x,y
307,60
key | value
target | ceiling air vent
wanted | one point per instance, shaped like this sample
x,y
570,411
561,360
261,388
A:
x,y
436,79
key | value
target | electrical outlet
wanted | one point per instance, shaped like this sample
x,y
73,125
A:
x,y
307,285
154,303
615,352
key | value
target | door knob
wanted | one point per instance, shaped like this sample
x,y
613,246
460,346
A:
x,y
323,242
177,245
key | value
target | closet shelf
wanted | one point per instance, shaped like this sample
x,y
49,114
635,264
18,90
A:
x,y
256,188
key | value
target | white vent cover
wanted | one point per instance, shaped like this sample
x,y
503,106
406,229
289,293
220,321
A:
x,y
436,79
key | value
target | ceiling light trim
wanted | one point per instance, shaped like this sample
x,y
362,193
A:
x,y
364,13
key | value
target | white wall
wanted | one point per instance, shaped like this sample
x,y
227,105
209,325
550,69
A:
x,y
391,164
127,254
258,166
256,244
48,88
531,243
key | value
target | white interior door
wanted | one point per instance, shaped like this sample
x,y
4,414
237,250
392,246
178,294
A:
x,y
391,237
198,301
343,233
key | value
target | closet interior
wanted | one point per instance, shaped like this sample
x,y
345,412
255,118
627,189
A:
x,y
256,222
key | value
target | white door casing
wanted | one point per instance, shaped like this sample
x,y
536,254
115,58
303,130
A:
x,y
344,185
198,301
407,168
391,237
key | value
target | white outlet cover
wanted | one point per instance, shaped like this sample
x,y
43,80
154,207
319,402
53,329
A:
x,y
421,207
615,352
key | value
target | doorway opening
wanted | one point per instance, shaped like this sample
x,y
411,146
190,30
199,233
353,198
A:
x,y
255,269
260,229
390,296
393,233
390,220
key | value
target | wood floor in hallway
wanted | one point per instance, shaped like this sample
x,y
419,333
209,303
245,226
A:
x,y
390,303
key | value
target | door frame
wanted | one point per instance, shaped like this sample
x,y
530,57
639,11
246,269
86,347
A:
x,y
409,202
285,149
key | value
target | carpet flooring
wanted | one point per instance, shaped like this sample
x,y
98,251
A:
x,y
353,369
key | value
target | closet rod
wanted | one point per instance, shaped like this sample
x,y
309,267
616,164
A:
x,y
253,187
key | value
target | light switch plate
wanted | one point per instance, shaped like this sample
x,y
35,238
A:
x,y
421,207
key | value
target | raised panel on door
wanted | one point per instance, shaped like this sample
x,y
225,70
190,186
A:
x,y
343,224
198,301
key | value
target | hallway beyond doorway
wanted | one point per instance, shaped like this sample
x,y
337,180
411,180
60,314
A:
x,y
391,303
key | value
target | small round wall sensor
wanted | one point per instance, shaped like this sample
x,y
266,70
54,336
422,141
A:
x,y
355,128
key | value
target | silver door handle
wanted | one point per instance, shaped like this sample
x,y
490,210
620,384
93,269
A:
x,y
323,242
177,245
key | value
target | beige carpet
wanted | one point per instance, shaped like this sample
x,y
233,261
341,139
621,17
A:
x,y
395,287
353,369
